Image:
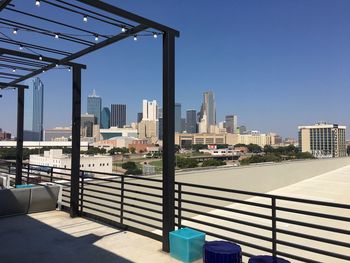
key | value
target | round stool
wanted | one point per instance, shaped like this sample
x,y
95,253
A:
x,y
222,252
267,259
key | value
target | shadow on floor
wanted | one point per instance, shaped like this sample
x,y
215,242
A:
x,y
24,239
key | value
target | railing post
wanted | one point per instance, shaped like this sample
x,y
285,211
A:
x,y
179,205
274,227
28,172
82,192
51,175
122,200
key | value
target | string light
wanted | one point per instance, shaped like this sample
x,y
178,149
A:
x,y
155,35
56,65
20,47
96,37
43,70
57,35
15,31
135,37
123,29
14,70
69,69
37,3
85,18
40,57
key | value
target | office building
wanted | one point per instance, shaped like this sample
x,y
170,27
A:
x,y
87,125
105,118
112,132
94,104
34,111
207,116
178,117
231,123
148,129
58,134
191,121
150,110
242,129
323,140
139,117
118,115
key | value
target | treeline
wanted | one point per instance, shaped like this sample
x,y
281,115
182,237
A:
x,y
183,163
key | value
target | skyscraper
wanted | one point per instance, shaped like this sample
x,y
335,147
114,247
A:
x,y
178,117
34,109
208,112
139,117
94,103
150,110
118,115
105,118
231,123
87,124
191,121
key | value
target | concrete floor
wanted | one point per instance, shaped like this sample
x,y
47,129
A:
x,y
54,237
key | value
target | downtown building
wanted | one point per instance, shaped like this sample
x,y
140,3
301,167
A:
x,y
231,123
207,115
149,126
323,140
105,118
34,111
94,103
118,115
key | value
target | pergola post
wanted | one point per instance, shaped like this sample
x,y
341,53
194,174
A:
x,y
75,165
20,124
168,137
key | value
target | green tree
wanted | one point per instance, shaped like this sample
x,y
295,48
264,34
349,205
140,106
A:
x,y
213,162
132,150
129,165
183,163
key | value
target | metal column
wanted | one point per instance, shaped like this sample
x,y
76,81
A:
x,y
76,119
20,124
168,137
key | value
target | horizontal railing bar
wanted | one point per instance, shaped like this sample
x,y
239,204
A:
x,y
101,205
102,185
226,209
316,214
310,225
100,198
101,211
227,219
145,186
243,243
232,200
159,220
100,192
144,208
314,250
142,223
316,238
142,193
221,227
143,200
299,258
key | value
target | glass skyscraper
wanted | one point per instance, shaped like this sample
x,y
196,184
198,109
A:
x,y
118,115
94,103
105,118
191,121
34,111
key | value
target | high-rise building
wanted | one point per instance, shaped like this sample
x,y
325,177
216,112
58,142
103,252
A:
x,y
231,123
34,110
160,112
178,117
105,118
118,115
160,128
208,112
139,117
94,104
191,121
242,129
323,140
150,110
87,124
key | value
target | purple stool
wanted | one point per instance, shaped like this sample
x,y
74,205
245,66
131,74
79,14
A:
x,y
222,252
267,259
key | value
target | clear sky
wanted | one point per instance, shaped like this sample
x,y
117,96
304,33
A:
x,y
276,64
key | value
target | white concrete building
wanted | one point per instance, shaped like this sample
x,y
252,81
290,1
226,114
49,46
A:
x,y
84,145
149,110
55,158
113,132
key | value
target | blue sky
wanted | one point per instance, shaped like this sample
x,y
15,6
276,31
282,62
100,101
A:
x,y
276,64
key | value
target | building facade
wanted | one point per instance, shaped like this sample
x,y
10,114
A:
x,y
207,114
87,125
323,140
94,104
118,115
149,110
231,123
191,121
38,107
58,134
105,118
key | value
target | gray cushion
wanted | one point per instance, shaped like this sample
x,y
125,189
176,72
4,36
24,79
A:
x,y
43,198
14,201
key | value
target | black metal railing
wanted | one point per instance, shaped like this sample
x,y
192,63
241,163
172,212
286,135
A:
x,y
298,229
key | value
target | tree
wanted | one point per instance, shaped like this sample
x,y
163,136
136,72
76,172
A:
x,y
197,147
132,150
183,163
213,162
129,165
254,148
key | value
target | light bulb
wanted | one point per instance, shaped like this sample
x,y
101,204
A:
x,y
56,65
123,29
14,70
85,18
96,37
69,69
57,36
135,37
15,30
155,35
20,47
40,57
37,3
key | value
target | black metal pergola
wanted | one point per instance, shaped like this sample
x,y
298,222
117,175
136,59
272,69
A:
x,y
23,58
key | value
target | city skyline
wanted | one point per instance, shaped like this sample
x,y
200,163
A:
x,y
273,68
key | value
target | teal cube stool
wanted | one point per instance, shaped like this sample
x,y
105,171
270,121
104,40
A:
x,y
186,244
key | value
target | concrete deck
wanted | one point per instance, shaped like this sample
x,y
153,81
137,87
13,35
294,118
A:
x,y
55,237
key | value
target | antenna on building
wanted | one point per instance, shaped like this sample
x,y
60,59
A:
x,y
93,93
